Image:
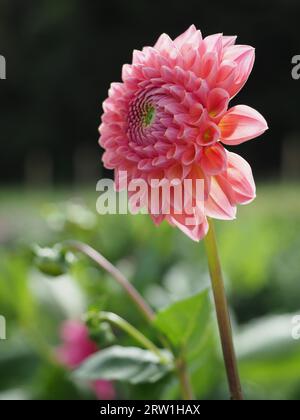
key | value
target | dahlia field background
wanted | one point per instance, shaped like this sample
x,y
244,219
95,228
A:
x,y
138,321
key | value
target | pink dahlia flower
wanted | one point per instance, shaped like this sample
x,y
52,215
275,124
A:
x,y
169,119
76,347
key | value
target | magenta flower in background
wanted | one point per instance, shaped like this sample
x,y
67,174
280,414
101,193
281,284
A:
x,y
170,118
76,347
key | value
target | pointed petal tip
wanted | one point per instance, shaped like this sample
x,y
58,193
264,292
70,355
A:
x,y
241,123
193,28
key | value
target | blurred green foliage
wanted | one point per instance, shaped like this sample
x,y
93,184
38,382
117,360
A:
x,y
260,253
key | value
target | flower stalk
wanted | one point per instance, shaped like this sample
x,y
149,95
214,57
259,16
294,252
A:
x,y
222,311
184,379
142,305
125,326
116,274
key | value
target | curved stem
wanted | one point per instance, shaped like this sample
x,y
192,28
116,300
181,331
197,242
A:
x,y
114,272
222,314
143,306
133,332
184,379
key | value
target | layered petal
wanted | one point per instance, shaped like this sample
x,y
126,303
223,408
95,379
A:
x,y
243,57
167,121
217,103
240,177
219,204
191,38
241,123
194,226
214,159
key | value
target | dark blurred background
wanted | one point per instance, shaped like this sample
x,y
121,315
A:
x,y
62,55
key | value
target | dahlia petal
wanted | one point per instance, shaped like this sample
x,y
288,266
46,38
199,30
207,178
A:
x,y
176,151
108,105
116,89
188,133
182,118
196,114
183,38
217,102
150,72
166,47
196,173
209,66
240,177
218,204
209,134
212,43
215,211
237,53
132,83
191,45
190,154
157,218
243,56
103,141
121,180
137,57
227,41
195,40
171,133
177,91
167,74
174,108
162,147
145,165
150,54
164,42
190,56
214,159
241,123
177,171
166,121
110,159
180,75
226,75
155,174
127,71
190,226
159,161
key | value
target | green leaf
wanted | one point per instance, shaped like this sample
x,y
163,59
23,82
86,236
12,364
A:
x,y
18,364
129,364
185,322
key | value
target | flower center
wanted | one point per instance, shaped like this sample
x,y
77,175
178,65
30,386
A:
x,y
142,119
148,115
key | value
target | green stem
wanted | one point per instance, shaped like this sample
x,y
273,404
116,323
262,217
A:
x,y
138,300
184,379
133,332
114,272
223,314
